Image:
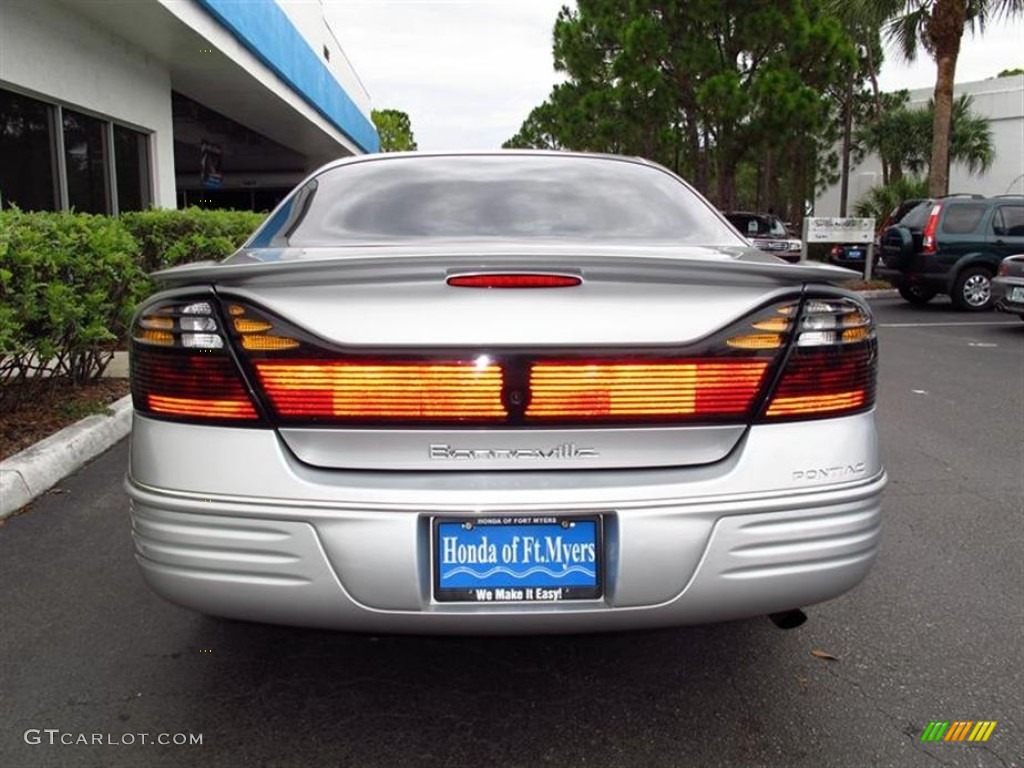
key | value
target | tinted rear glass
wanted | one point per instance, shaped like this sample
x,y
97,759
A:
x,y
903,209
917,216
754,225
512,197
963,218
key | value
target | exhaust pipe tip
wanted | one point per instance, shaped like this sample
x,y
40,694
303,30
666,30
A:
x,y
788,619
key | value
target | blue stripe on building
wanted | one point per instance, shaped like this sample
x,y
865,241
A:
x,y
264,29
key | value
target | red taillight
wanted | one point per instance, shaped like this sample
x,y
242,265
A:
x,y
601,389
312,389
181,367
189,385
832,368
514,280
928,236
823,382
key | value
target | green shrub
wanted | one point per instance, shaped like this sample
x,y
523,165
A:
x,y
68,285
167,238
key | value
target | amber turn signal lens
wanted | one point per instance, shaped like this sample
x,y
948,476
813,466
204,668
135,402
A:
x,y
163,338
159,322
262,343
243,325
756,341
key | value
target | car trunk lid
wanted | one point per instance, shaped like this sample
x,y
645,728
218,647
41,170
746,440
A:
x,y
645,325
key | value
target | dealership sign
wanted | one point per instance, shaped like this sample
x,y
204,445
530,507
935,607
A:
x,y
826,229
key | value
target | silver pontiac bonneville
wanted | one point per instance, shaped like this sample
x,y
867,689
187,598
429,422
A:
x,y
507,392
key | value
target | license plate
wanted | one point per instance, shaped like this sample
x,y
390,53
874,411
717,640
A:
x,y
517,559
1017,294
853,254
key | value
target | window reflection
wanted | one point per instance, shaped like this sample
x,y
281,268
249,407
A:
x,y
131,161
26,156
516,196
85,164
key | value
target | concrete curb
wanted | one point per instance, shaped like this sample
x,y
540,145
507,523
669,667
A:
x,y
33,471
882,293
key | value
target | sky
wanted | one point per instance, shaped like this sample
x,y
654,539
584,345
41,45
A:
x,y
468,72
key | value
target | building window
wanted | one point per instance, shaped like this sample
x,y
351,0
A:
x,y
131,161
105,169
26,153
85,163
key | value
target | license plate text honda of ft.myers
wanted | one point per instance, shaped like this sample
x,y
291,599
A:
x,y
506,392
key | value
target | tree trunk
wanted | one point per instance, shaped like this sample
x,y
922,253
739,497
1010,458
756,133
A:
x,y
764,172
945,29
704,164
938,174
726,180
796,210
696,152
876,108
844,184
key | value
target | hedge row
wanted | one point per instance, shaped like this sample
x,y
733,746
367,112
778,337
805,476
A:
x,y
70,282
166,238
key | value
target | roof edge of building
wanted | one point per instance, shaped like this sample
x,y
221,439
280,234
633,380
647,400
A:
x,y
267,32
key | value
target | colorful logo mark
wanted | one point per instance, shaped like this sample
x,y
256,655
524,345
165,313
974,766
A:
x,y
958,730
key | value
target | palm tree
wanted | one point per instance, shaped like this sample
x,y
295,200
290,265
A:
x,y
970,138
902,137
938,26
878,201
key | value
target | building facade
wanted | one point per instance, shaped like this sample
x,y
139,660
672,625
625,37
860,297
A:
x,y
1001,102
129,104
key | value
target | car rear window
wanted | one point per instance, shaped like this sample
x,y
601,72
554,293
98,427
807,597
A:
x,y
917,216
962,218
418,198
756,225
903,209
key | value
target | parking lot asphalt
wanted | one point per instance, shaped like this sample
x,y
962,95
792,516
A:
x,y
934,632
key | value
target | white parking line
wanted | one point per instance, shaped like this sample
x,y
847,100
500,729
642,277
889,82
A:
x,y
946,325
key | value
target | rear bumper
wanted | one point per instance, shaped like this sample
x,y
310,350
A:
x,y
351,551
1001,291
254,562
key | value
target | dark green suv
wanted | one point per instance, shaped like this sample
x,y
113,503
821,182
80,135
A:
x,y
952,245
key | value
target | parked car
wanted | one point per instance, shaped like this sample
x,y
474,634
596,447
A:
x,y
509,392
952,245
1008,286
852,255
767,232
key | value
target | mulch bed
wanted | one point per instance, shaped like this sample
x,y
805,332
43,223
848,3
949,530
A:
x,y
46,406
